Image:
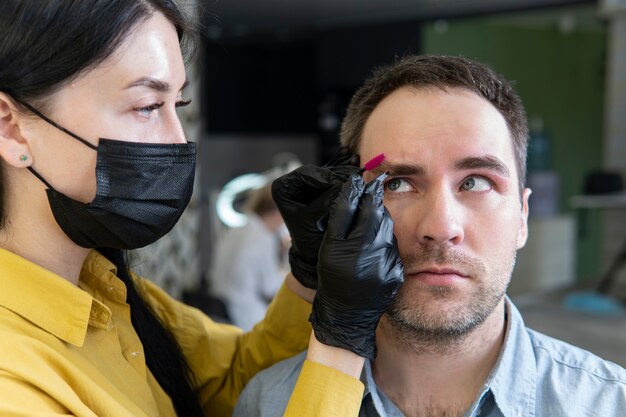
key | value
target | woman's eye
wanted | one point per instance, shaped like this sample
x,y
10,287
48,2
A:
x,y
476,184
145,111
397,185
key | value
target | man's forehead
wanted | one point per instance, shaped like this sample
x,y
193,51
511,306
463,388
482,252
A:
x,y
425,105
456,121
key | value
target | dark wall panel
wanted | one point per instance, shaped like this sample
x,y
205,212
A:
x,y
259,88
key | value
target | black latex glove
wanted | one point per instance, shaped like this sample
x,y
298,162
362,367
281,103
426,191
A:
x,y
359,269
303,197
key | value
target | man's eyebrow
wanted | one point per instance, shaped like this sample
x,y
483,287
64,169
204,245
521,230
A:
x,y
399,169
154,84
473,162
483,162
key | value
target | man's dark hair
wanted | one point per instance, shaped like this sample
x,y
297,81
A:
x,y
444,72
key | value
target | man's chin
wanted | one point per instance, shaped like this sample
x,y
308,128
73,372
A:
x,y
427,321
437,316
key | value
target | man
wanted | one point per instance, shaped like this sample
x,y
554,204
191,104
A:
x,y
454,135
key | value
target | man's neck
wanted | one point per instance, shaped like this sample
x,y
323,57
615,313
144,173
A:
x,y
437,382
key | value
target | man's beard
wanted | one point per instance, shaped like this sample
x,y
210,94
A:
x,y
424,321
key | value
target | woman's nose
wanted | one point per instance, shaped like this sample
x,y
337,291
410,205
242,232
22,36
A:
x,y
174,132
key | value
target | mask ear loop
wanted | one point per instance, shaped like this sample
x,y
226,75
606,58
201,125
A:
x,y
61,128
36,174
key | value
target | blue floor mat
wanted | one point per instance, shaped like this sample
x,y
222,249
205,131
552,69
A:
x,y
594,302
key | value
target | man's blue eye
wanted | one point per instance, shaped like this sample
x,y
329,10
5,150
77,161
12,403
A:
x,y
468,184
393,184
398,185
476,184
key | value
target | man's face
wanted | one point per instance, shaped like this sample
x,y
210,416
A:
x,y
453,195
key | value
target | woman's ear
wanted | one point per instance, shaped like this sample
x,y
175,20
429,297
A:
x,y
14,148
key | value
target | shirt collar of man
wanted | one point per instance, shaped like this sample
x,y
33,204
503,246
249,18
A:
x,y
53,303
514,378
511,382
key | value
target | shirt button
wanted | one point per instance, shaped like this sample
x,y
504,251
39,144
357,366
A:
x,y
135,353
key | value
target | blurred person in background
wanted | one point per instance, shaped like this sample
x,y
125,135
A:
x,y
247,265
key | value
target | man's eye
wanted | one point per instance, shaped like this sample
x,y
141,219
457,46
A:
x,y
476,184
397,185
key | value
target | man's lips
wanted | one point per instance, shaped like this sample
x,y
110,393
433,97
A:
x,y
437,276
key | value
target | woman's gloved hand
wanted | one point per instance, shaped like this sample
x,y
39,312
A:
x,y
359,269
303,197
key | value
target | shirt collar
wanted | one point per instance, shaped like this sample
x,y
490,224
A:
x,y
367,378
383,405
99,278
513,379
50,301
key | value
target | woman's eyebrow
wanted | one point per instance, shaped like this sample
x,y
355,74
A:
x,y
488,162
154,84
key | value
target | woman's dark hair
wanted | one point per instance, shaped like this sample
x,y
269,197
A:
x,y
44,44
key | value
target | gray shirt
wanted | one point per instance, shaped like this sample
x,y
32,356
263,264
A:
x,y
535,375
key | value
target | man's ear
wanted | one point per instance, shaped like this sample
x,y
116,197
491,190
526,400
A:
x,y
522,234
14,148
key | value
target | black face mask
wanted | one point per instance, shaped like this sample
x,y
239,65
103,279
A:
x,y
142,190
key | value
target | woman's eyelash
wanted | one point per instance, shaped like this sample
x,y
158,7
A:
x,y
156,106
150,108
183,103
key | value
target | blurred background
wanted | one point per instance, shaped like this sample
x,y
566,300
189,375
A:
x,y
272,80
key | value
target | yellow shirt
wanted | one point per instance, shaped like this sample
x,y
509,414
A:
x,y
68,350
324,392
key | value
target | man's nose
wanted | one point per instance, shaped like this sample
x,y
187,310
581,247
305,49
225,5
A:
x,y
441,219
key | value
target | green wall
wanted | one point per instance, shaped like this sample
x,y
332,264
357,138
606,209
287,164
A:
x,y
559,77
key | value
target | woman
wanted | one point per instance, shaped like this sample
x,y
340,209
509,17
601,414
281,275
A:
x,y
92,155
